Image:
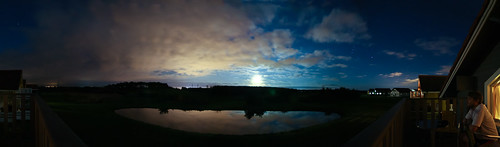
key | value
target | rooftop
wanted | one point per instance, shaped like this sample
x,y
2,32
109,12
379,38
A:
x,y
10,79
431,82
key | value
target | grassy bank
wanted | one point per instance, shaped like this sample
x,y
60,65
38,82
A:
x,y
91,115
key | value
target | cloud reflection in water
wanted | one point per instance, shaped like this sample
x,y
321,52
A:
x,y
228,121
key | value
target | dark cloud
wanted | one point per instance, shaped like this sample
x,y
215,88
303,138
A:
x,y
339,26
439,46
166,73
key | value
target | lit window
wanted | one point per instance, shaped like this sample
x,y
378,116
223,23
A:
x,y
495,95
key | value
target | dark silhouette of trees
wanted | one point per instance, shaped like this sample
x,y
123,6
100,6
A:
x,y
163,110
251,113
329,95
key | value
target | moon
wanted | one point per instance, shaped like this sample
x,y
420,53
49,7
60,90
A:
x,y
257,80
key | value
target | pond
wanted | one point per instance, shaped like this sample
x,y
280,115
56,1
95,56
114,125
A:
x,y
230,122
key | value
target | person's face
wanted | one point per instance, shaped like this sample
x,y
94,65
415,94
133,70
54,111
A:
x,y
471,102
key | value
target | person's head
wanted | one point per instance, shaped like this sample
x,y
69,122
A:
x,y
474,98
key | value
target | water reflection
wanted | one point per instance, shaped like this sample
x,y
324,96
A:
x,y
226,121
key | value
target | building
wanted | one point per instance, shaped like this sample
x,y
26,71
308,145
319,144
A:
x,y
11,84
379,91
371,91
400,92
429,86
477,66
11,81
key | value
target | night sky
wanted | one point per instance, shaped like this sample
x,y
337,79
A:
x,y
354,44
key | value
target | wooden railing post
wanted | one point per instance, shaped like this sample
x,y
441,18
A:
x,y
23,113
32,114
13,100
457,117
38,126
23,108
5,114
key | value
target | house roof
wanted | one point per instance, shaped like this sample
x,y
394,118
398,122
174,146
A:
x,y
431,82
406,90
10,79
480,41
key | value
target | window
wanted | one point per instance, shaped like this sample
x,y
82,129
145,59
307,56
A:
x,y
495,97
492,90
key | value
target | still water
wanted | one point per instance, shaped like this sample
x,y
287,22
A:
x,y
228,121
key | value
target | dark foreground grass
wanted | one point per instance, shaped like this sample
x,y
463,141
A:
x,y
97,124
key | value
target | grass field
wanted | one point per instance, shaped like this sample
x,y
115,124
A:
x,y
91,116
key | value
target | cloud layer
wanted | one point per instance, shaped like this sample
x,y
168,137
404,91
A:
x,y
440,46
153,40
391,75
445,69
339,26
408,56
410,81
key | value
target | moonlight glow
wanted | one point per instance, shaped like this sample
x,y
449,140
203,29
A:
x,y
257,80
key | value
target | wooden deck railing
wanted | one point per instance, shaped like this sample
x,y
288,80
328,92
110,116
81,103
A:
x,y
436,115
387,131
434,110
48,129
426,113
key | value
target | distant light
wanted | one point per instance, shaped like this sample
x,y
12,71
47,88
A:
x,y
257,80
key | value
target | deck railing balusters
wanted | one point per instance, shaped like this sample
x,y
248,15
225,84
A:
x,y
46,127
389,129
